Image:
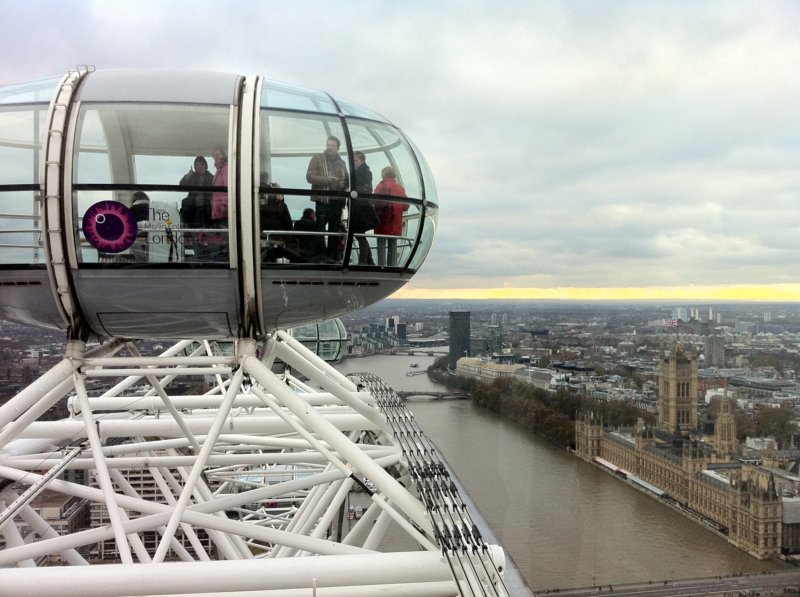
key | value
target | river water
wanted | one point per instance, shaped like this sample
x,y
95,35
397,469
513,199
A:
x,y
564,522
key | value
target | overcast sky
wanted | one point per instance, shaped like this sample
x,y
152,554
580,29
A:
x,y
597,148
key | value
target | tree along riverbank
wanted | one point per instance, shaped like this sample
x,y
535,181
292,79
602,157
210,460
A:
x,y
548,414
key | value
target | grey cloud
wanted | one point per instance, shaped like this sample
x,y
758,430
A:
x,y
573,144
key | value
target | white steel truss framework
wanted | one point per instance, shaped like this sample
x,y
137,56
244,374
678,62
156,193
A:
x,y
195,471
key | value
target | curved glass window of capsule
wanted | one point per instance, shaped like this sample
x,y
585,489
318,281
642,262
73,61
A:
x,y
21,133
127,154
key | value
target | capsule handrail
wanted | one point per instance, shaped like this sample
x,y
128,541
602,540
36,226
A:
x,y
20,230
9,246
300,233
20,217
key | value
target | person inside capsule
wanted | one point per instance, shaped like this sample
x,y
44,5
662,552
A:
x,y
219,207
275,216
391,216
196,209
362,213
310,246
140,206
328,172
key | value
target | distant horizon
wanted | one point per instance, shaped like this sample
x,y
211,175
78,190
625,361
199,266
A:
x,y
743,293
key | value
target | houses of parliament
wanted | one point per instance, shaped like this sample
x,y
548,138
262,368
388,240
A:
x,y
752,499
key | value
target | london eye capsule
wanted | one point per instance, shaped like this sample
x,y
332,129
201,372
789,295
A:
x,y
177,204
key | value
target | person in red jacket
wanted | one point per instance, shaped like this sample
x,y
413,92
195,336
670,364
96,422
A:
x,y
391,216
219,207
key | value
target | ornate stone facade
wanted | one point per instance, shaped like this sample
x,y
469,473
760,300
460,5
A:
x,y
677,390
707,481
738,500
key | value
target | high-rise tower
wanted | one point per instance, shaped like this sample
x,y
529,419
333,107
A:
x,y
459,336
677,391
715,351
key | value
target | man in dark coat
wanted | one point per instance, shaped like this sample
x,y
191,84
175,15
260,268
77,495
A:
x,y
362,212
328,172
196,209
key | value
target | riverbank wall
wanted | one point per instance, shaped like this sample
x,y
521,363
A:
x,y
687,513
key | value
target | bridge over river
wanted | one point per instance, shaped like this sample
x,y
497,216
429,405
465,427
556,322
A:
x,y
446,395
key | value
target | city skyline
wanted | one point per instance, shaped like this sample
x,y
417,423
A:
x,y
606,150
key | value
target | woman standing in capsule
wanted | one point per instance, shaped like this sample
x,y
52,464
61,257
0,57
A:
x,y
219,205
391,216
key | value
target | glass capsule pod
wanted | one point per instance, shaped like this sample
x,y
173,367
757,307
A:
x,y
327,339
171,204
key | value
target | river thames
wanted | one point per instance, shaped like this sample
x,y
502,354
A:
x,y
564,522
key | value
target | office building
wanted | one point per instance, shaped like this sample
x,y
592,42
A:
x,y
459,332
715,351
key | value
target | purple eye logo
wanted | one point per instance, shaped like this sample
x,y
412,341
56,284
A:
x,y
110,227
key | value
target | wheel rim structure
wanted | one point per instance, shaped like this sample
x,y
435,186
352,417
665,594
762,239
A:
x,y
223,468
